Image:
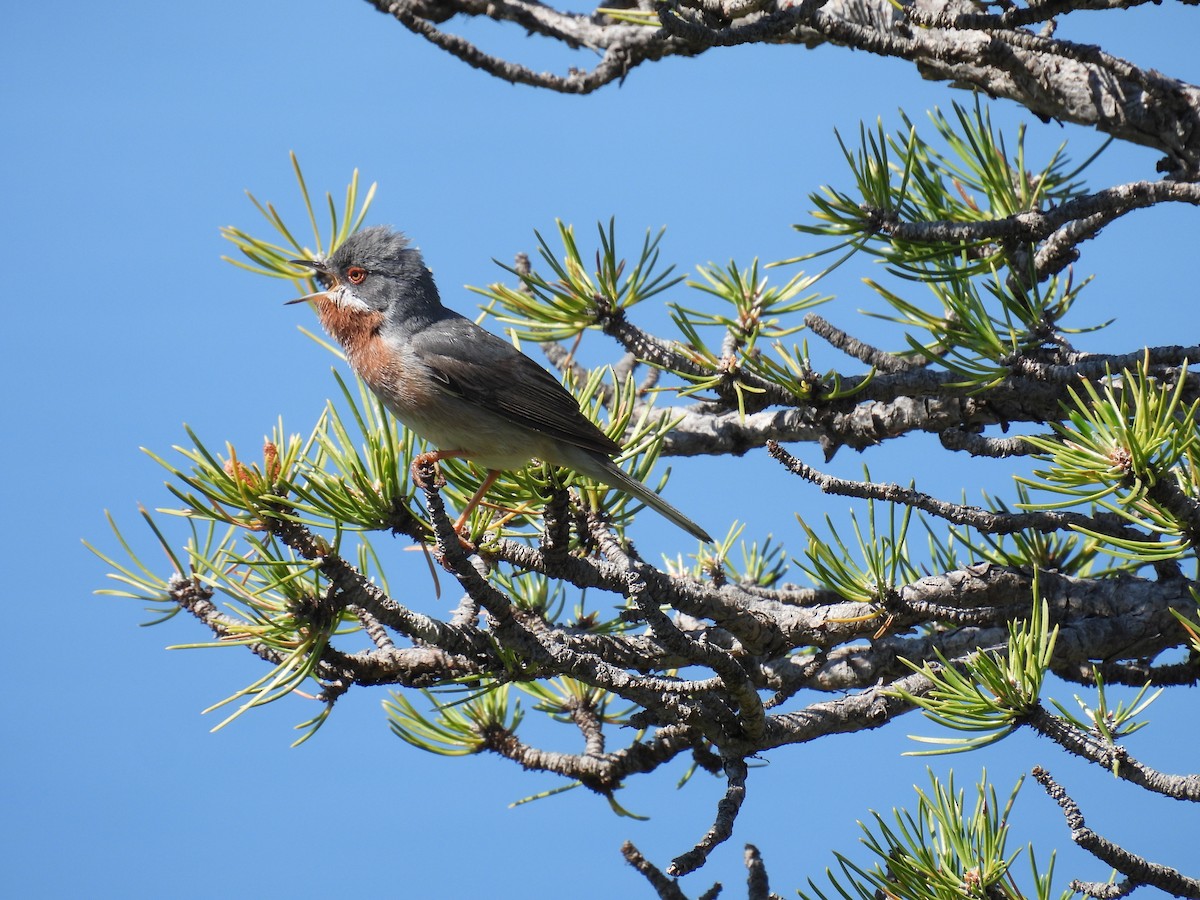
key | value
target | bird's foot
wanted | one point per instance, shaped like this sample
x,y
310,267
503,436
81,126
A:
x,y
425,470
462,530
467,547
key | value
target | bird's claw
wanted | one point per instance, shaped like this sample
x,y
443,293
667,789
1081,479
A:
x,y
423,466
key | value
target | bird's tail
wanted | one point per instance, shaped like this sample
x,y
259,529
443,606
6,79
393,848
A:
x,y
604,470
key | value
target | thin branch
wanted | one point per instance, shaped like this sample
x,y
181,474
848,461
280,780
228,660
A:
x,y
666,888
1133,674
1136,868
619,56
860,350
1113,757
758,887
727,811
1046,522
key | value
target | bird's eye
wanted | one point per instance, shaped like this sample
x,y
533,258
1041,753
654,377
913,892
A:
x,y
356,274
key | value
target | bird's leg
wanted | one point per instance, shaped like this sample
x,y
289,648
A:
x,y
433,457
492,475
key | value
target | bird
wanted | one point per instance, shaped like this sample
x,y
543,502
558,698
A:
x,y
467,392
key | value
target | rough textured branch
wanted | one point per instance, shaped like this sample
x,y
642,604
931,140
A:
x,y
990,53
1136,868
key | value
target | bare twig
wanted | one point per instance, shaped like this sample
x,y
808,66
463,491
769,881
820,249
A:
x,y
722,828
666,888
1135,868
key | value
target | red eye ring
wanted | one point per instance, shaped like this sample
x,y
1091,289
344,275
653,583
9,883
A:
x,y
356,274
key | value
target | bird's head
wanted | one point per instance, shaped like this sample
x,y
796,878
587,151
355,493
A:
x,y
373,271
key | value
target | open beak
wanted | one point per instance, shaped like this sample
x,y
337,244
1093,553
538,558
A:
x,y
318,266
307,298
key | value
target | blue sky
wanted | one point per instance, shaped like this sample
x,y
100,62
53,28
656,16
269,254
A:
x,y
132,135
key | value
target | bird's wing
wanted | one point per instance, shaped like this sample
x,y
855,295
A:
x,y
479,367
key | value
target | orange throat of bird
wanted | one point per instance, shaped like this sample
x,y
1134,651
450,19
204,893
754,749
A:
x,y
357,331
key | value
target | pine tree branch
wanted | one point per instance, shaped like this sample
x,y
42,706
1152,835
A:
x,y
722,828
666,888
987,53
1112,757
1135,868
1045,522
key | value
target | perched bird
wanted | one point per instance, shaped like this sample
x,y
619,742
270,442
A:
x,y
464,390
